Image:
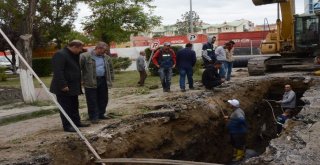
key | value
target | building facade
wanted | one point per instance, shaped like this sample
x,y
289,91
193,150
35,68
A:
x,y
308,6
241,25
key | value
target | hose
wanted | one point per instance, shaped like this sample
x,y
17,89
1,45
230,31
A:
x,y
274,116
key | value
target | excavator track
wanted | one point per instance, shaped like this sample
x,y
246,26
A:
x,y
256,66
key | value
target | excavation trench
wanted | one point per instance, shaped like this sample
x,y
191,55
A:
x,y
189,127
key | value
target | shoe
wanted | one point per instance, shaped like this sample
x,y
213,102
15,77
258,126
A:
x,y
96,121
240,154
191,88
83,125
183,90
166,90
69,129
104,117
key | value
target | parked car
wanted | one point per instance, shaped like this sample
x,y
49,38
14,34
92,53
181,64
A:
x,y
4,62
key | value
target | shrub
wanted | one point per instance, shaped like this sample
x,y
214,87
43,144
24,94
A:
x,y
42,66
120,63
152,68
3,76
198,67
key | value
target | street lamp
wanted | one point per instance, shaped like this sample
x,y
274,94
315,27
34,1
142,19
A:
x,y
191,20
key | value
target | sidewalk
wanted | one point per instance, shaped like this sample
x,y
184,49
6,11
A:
x,y
21,110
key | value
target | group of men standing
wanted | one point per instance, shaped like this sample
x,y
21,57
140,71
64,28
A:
x,y
93,69
218,63
72,69
165,60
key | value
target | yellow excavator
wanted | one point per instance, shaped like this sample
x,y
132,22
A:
x,y
292,45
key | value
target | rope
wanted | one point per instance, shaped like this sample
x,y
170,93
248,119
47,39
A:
x,y
51,96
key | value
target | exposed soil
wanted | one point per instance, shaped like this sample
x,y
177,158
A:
x,y
183,126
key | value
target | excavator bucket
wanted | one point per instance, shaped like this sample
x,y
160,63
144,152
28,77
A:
x,y
264,2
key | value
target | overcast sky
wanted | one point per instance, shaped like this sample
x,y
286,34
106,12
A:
x,y
209,11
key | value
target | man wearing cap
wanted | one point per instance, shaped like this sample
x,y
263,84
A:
x,y
165,60
208,55
211,77
237,129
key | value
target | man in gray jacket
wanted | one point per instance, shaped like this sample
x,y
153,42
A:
x,y
288,102
222,57
141,67
97,76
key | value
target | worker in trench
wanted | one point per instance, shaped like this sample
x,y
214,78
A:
x,y
317,62
237,128
288,102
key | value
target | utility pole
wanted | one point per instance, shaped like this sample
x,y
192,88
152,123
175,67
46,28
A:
x,y
191,19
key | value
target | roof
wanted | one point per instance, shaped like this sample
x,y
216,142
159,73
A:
x,y
235,23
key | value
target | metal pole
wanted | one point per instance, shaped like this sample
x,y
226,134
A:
x,y
191,19
150,59
251,47
51,95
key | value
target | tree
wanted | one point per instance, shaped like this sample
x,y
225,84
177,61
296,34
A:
x,y
116,20
183,25
80,36
55,20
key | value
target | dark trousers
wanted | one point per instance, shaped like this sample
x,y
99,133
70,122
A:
x,y
238,140
183,73
143,76
97,99
70,104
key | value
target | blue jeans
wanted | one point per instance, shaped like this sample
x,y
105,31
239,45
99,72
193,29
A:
x,y
165,77
229,66
183,73
223,69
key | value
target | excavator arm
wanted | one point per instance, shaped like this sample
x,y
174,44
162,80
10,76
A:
x,y
283,39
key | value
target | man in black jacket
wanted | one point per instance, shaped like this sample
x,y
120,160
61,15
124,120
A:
x,y
211,77
66,82
208,54
186,59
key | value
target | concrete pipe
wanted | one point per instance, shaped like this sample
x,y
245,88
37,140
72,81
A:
x,y
264,2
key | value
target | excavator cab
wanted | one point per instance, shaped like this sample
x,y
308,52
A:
x,y
306,33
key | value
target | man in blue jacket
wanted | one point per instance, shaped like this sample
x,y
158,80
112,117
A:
x,y
186,59
237,129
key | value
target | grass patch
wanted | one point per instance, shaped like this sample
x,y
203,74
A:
x,y
14,82
41,103
28,116
145,109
